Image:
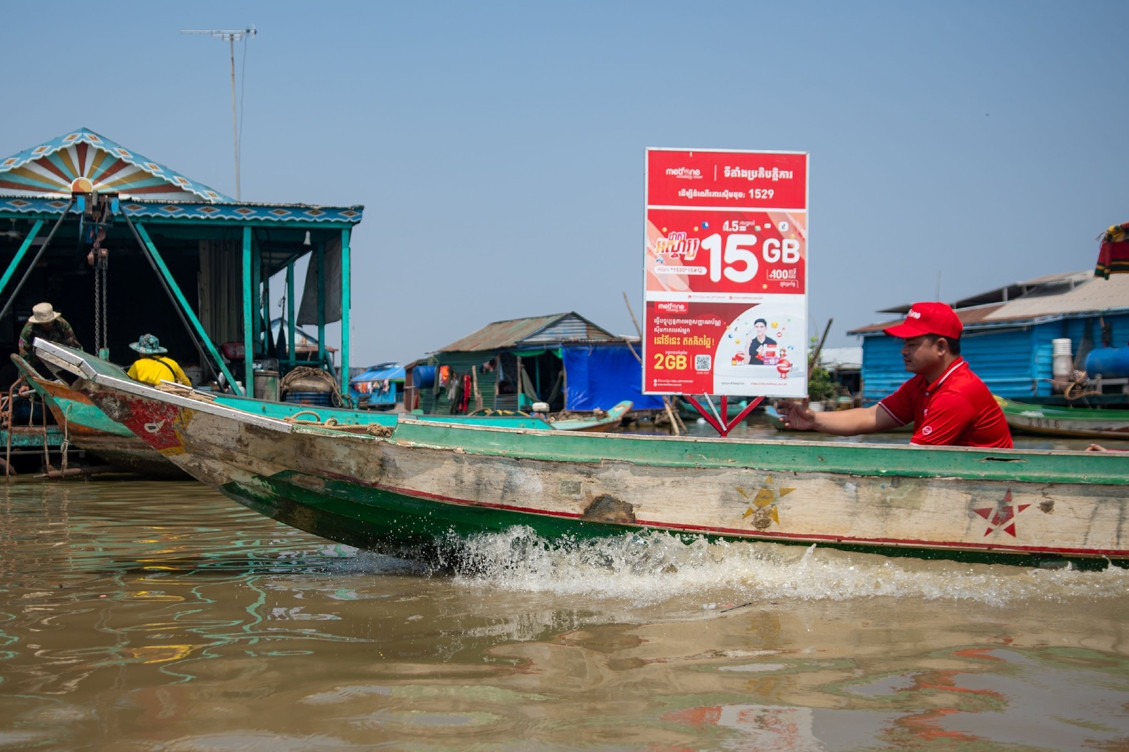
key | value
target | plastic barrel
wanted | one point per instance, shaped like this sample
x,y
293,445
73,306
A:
x,y
266,385
423,377
320,399
1062,363
1108,362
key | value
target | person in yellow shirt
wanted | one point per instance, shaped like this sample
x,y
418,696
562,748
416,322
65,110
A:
x,y
151,368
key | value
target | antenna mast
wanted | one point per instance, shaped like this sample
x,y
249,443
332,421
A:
x,y
231,37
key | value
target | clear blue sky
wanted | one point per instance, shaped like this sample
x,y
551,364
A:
x,y
498,148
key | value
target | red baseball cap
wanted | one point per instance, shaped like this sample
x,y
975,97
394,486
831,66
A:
x,y
928,318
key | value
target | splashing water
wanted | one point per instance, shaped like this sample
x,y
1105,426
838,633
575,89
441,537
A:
x,y
652,567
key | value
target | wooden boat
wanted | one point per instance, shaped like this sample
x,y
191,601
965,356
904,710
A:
x,y
1078,422
598,420
407,488
734,408
89,429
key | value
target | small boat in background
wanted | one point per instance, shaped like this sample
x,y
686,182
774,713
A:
x,y
1076,422
735,407
597,420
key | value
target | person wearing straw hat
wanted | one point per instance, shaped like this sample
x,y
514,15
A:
x,y
947,403
48,324
150,368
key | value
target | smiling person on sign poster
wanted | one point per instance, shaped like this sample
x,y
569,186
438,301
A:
x,y
762,349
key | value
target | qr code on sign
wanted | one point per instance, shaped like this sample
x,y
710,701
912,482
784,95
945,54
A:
x,y
702,362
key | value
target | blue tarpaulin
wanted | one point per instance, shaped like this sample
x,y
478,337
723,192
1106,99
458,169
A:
x,y
599,376
379,383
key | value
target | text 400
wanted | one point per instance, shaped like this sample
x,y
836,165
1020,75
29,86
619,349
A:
x,y
738,262
670,362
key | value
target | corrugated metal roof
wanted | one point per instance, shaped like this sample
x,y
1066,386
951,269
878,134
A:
x,y
536,330
1088,294
1048,297
840,358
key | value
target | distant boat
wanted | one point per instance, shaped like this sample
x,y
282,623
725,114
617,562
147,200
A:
x,y
597,420
91,430
412,488
734,408
1067,422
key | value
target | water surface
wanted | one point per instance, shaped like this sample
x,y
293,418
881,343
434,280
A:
x,y
163,616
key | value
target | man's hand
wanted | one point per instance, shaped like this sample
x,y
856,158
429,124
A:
x,y
796,415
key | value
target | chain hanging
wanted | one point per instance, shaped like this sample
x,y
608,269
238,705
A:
x,y
99,258
101,296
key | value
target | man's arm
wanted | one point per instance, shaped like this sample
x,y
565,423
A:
x,y
857,420
68,334
25,340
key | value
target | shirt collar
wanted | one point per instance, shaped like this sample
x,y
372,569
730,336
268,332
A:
x,y
958,363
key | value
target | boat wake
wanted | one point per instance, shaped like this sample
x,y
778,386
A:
x,y
650,568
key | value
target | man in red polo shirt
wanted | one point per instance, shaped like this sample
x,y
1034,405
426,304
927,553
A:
x,y
946,402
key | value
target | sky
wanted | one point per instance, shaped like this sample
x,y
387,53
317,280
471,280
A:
x,y
498,147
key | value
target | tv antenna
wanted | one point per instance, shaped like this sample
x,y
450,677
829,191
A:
x,y
231,36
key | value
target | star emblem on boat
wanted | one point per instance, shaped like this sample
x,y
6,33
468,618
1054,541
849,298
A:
x,y
763,504
1002,515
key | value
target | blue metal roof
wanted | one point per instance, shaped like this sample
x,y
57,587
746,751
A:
x,y
164,210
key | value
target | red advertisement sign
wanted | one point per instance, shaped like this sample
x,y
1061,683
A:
x,y
726,273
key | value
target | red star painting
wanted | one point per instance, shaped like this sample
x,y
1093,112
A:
x,y
1002,516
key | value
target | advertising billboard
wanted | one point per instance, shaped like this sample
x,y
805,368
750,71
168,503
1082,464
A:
x,y
725,292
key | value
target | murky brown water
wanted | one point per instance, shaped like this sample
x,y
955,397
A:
x,y
162,616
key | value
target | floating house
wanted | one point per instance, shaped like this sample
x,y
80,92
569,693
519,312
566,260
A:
x,y
844,366
122,245
563,360
1030,341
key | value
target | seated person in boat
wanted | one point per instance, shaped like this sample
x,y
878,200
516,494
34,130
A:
x,y
150,368
46,323
946,402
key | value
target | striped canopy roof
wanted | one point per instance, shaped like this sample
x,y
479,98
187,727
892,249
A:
x,y
83,161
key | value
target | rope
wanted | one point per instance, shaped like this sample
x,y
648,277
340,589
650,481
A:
x,y
294,417
302,372
43,432
7,423
66,435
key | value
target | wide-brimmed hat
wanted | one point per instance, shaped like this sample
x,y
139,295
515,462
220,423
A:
x,y
928,318
43,313
147,344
